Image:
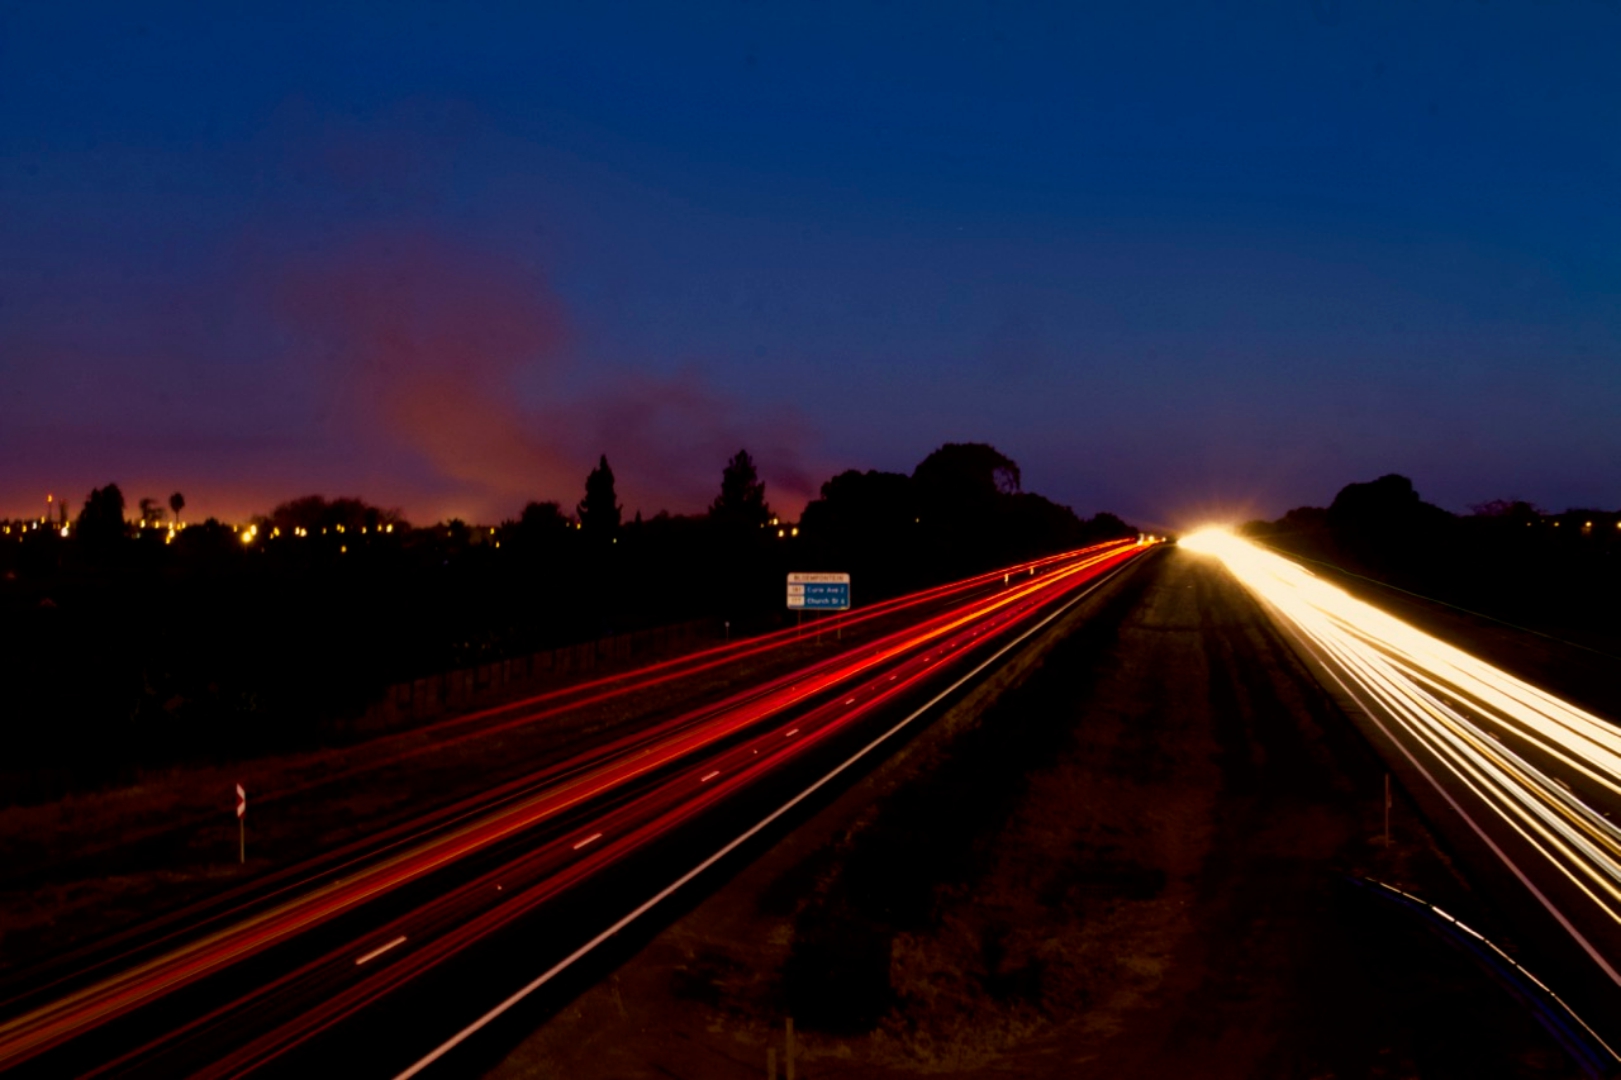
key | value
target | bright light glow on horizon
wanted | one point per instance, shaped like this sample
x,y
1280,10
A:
x,y
1206,539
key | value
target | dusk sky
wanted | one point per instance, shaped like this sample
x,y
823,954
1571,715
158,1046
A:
x,y
1173,259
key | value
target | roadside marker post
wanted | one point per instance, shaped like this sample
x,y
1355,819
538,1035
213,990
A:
x,y
1387,809
242,825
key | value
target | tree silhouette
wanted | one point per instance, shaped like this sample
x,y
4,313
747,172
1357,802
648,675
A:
x,y
965,475
102,519
151,512
543,517
965,495
1385,525
542,525
177,503
741,501
315,515
1106,526
1512,511
871,509
599,510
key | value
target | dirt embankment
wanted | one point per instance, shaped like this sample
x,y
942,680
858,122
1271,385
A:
x,y
1128,866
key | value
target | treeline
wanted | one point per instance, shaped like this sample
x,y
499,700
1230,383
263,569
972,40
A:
x,y
1507,558
128,644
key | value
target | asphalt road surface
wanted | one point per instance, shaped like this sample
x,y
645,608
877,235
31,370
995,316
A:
x,y
1114,833
1525,784
393,958
1136,862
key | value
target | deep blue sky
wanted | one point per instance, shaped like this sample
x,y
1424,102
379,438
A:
x,y
1171,258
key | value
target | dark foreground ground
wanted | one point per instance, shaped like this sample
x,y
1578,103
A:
x,y
1129,866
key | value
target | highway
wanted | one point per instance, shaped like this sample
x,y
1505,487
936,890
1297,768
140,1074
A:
x,y
1528,786
559,859
1161,815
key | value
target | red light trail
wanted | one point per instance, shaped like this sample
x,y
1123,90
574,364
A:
x,y
538,837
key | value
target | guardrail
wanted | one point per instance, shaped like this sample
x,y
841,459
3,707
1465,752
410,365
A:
x,y
1591,1053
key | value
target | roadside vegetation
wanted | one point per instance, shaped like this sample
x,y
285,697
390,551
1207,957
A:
x,y
1554,572
132,644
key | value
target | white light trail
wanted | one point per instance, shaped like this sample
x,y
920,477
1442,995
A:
x,y
1500,738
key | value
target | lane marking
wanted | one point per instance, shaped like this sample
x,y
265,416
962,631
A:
x,y
647,905
709,777
593,838
379,951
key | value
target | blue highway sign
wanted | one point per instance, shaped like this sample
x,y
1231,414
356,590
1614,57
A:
x,y
819,592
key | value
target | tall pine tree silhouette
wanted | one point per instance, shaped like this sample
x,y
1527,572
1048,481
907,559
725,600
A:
x,y
741,502
599,510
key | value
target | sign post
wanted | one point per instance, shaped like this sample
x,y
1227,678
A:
x,y
818,592
241,824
